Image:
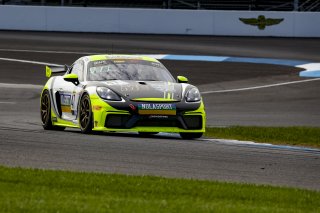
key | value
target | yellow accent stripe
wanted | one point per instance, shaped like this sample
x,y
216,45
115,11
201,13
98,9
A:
x,y
65,108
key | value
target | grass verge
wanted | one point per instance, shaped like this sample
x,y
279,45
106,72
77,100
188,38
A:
x,y
33,190
302,136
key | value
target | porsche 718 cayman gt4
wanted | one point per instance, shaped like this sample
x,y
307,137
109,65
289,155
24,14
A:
x,y
121,93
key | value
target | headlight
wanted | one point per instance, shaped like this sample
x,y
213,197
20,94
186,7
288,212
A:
x,y
108,94
193,95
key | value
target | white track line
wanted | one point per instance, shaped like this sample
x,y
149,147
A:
x,y
265,145
7,102
20,86
49,51
28,86
30,62
260,87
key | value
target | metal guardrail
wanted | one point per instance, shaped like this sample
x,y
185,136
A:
x,y
254,5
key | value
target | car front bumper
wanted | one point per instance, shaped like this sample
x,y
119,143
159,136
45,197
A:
x,y
107,118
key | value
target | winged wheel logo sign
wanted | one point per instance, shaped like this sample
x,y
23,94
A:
x,y
261,22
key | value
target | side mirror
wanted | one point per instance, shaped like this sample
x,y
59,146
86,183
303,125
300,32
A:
x,y
73,78
182,79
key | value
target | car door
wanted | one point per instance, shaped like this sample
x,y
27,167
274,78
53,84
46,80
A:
x,y
77,91
69,93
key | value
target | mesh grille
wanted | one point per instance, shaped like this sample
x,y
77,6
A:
x,y
117,121
128,121
158,123
193,121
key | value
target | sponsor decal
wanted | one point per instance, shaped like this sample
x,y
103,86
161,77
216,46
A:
x,y
158,116
124,57
119,61
96,107
65,99
155,64
129,87
163,87
99,63
261,22
132,107
73,97
116,82
66,109
157,109
167,88
65,103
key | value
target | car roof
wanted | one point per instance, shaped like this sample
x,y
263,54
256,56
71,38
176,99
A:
x,y
118,56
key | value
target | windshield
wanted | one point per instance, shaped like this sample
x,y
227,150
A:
x,y
128,69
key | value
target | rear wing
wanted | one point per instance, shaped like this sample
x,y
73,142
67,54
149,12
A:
x,y
55,70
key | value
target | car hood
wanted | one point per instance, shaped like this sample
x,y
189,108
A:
x,y
146,90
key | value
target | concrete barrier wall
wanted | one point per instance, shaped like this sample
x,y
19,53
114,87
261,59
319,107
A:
x,y
156,21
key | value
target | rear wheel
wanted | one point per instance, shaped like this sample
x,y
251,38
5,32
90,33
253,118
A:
x,y
45,113
186,135
85,114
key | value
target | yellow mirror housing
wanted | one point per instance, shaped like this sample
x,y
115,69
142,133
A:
x,y
73,78
182,79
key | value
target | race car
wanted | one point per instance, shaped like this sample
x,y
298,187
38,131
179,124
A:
x,y
121,93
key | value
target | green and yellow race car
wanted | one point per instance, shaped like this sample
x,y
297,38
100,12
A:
x,y
121,93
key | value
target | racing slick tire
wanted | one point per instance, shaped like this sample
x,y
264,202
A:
x,y
45,112
85,115
186,135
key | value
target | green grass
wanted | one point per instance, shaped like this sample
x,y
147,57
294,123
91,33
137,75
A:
x,y
28,190
302,136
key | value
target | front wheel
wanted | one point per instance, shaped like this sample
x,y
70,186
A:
x,y
85,114
186,135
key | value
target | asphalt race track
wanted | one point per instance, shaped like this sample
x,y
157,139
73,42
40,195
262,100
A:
x,y
23,142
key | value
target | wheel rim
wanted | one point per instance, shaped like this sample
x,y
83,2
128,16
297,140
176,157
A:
x,y
45,107
84,113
